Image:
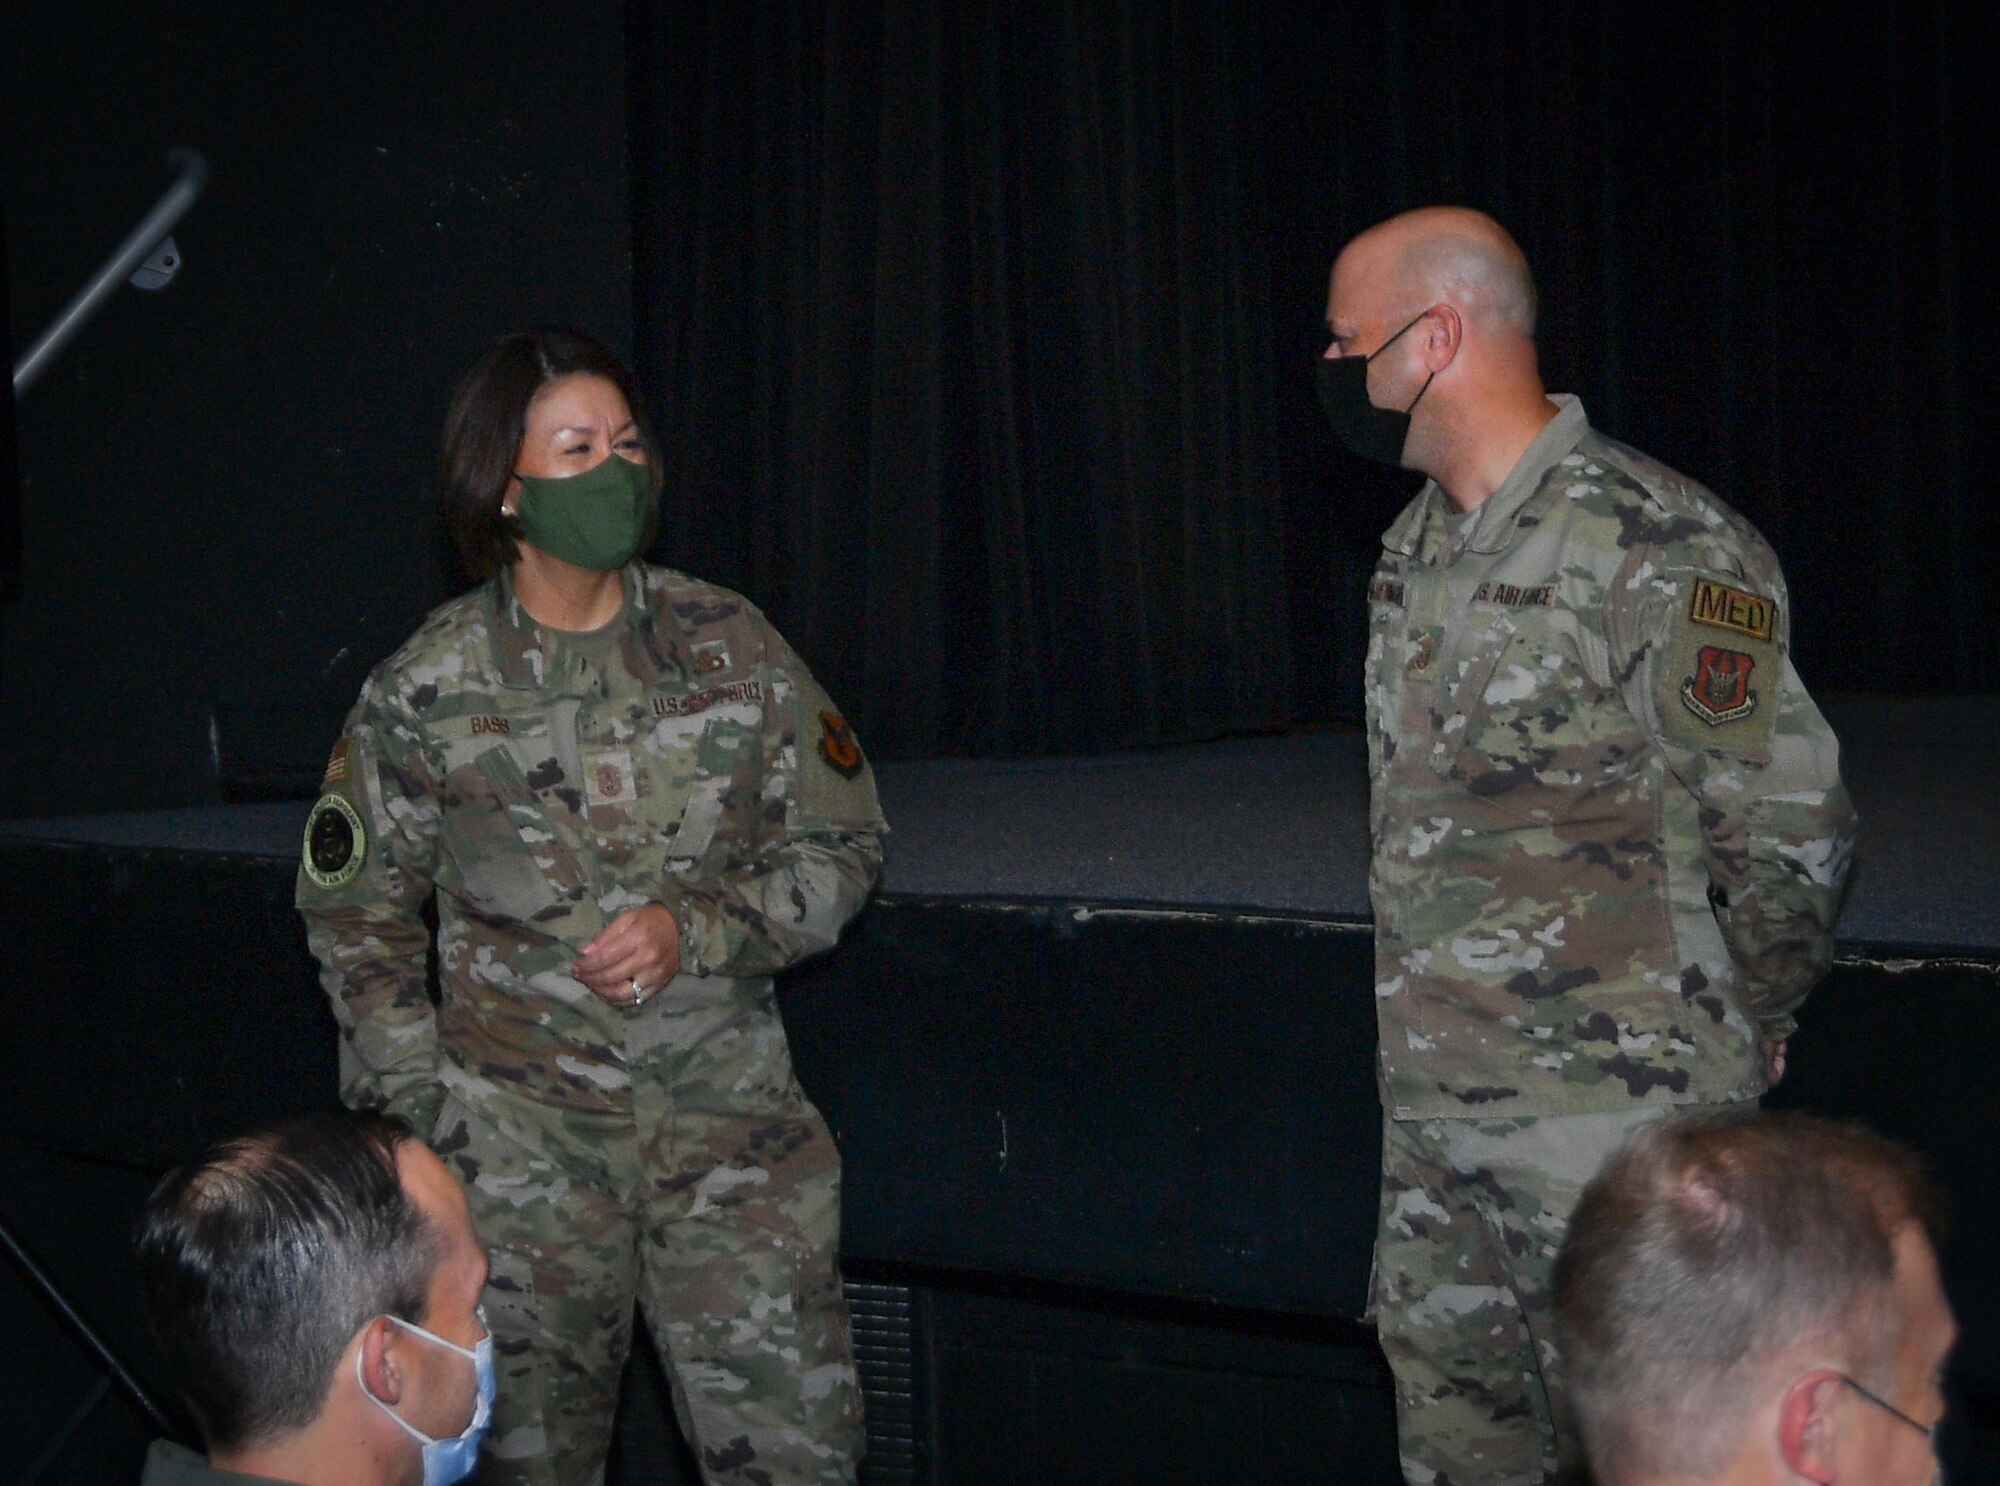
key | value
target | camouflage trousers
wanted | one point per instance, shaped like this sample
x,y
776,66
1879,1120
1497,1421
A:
x,y
715,1205
1472,1214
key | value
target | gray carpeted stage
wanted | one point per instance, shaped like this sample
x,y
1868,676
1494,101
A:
x,y
1281,824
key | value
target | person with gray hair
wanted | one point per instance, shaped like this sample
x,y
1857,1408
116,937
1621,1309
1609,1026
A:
x,y
1750,1299
1608,831
314,1289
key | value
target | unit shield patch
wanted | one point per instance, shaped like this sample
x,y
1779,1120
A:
x,y
336,842
837,745
1719,690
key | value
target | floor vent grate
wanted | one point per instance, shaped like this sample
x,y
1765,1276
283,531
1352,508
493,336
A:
x,y
885,1352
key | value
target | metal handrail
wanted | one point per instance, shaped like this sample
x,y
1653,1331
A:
x,y
38,1279
152,229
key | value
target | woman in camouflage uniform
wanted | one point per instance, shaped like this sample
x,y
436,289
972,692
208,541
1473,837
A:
x,y
632,804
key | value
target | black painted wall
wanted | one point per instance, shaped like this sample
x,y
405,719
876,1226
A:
x,y
225,484
1138,1208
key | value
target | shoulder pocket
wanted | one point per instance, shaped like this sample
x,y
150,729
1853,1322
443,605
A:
x,y
836,784
1719,690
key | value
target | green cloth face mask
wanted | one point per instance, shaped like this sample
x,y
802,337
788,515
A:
x,y
593,520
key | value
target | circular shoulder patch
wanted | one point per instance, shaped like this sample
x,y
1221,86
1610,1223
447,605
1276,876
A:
x,y
336,842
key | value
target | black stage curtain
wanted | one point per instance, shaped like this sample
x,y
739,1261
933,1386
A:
x,y
957,329
978,333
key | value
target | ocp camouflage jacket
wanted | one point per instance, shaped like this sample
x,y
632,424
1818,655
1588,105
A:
x,y
540,799
1609,833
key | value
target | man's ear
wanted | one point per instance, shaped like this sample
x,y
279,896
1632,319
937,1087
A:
x,y
1443,333
1808,1418
382,1347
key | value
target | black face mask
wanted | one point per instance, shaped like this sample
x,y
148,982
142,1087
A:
x,y
1373,433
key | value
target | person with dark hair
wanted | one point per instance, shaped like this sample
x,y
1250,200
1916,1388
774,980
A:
x,y
1609,836
632,805
1750,1299
314,1289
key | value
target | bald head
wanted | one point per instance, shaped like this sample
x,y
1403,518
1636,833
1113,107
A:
x,y
1441,304
1454,255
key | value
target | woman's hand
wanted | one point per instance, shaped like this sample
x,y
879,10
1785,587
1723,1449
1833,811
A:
x,y
637,953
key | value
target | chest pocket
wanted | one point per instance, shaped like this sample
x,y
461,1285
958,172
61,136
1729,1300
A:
x,y
1527,726
498,833
703,766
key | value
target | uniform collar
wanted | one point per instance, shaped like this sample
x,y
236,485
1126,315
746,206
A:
x,y
655,647
1501,513
169,1464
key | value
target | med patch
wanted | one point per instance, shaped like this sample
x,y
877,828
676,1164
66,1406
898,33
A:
x,y
1722,607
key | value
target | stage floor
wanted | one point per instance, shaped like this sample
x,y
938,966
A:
x,y
1280,824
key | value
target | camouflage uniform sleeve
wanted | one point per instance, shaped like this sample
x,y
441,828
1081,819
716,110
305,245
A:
x,y
1703,655
369,858
788,894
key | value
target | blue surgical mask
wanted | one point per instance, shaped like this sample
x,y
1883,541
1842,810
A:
x,y
446,1461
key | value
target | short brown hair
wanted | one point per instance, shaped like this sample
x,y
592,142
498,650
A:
x,y
259,1262
486,422
1708,1248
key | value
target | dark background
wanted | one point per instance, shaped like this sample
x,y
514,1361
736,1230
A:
x,y
977,334
225,502
978,339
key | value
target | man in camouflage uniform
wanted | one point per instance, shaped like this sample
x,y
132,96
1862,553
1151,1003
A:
x,y
541,788
1609,834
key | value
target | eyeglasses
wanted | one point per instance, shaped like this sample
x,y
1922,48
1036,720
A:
x,y
1928,1431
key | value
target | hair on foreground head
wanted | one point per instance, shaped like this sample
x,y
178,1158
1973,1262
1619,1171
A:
x,y
487,420
260,1262
1711,1248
